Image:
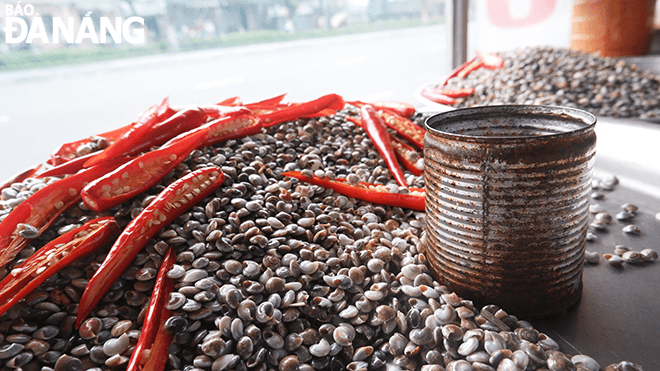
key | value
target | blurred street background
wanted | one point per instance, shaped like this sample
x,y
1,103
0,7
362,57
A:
x,y
203,51
43,108
183,25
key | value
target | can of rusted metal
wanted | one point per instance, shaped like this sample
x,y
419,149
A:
x,y
507,203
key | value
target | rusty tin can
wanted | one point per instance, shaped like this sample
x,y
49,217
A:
x,y
507,202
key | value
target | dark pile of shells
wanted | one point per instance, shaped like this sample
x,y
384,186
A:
x,y
274,274
552,76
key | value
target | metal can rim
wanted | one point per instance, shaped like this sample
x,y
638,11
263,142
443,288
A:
x,y
560,112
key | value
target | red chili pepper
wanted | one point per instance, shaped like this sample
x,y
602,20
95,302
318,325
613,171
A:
x,y
54,256
137,133
67,151
224,129
401,109
20,177
366,191
158,354
194,118
404,127
473,66
215,112
270,102
354,120
69,167
406,155
264,111
435,96
231,128
456,71
357,103
141,173
457,93
42,208
183,121
377,131
330,101
323,112
490,60
233,101
152,348
169,205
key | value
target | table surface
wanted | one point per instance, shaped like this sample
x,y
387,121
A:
x,y
618,316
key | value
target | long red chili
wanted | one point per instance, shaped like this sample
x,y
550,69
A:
x,y
456,71
184,121
232,101
42,208
20,177
404,127
433,95
270,102
330,101
231,128
135,134
54,256
223,129
169,205
67,151
456,93
323,112
140,174
400,108
487,60
157,358
366,191
143,172
148,350
471,67
377,131
215,111
265,110
69,167
404,153
181,122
